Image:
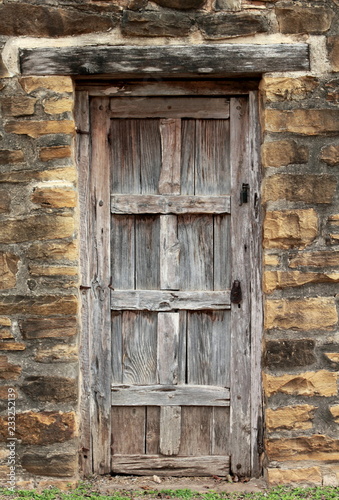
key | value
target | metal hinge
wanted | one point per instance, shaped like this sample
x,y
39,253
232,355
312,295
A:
x,y
244,193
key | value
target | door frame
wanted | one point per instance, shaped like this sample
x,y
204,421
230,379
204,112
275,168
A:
x,y
94,196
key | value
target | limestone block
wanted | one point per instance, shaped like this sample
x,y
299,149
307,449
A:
x,y
12,346
33,328
288,353
290,228
24,176
42,305
5,328
318,313
302,121
8,371
299,19
49,251
18,106
275,280
52,389
232,5
56,106
320,383
5,201
288,89
55,153
60,465
309,475
54,197
290,417
332,356
230,25
36,227
283,153
37,270
57,84
307,188
316,447
154,23
330,155
8,156
36,129
60,353
8,270
335,412
315,259
42,428
271,260
333,51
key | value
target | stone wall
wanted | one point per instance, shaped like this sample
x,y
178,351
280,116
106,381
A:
x,y
39,271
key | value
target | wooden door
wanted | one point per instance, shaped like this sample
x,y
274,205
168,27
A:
x,y
172,234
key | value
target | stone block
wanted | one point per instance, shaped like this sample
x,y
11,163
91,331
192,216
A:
x,y
37,270
316,447
8,157
18,106
287,89
302,121
307,188
298,417
39,305
25,176
297,19
320,258
232,5
157,23
55,106
16,20
335,413
8,270
55,153
61,465
283,153
320,383
277,280
230,25
285,354
41,428
54,197
51,389
57,84
49,251
181,4
3,70
36,227
332,356
5,328
330,155
290,228
12,346
36,129
8,371
61,353
5,201
333,51
33,328
309,475
318,313
271,260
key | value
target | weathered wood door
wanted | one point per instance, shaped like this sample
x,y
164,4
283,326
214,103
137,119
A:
x,y
172,237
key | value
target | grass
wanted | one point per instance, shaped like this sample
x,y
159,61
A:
x,y
85,491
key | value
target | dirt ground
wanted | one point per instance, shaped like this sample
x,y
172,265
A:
x,y
108,484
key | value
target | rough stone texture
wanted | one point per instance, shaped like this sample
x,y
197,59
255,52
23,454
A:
x,y
314,259
36,227
67,174
307,188
290,417
287,354
335,412
52,389
333,52
54,197
5,201
311,476
37,270
38,128
181,4
8,371
33,328
5,328
3,70
56,106
51,465
61,353
148,23
50,251
55,153
290,228
41,428
330,155
283,153
18,106
275,280
332,356
8,270
227,5
318,313
302,121
271,260
58,84
287,89
316,447
7,156
39,305
332,91
12,346
16,20
320,383
302,19
229,25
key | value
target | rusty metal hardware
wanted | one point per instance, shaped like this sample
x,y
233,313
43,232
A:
x,y
236,294
244,193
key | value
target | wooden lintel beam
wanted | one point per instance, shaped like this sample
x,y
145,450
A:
x,y
180,60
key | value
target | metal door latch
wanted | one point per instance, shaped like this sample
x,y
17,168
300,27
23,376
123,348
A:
x,y
236,294
244,193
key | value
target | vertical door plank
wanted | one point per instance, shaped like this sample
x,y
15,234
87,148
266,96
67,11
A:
x,y
128,430
150,155
212,157
182,361
188,151
168,344
196,431
169,253
221,431
222,252
195,233
139,332
100,347
240,313
117,347
125,154
170,130
152,430
170,430
123,252
147,259
208,348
